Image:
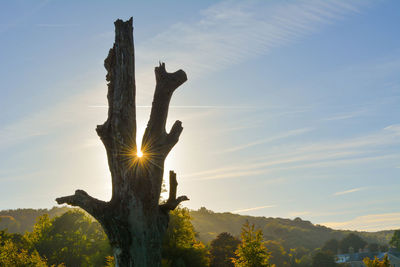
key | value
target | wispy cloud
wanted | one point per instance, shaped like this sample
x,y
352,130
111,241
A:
x,y
232,174
231,31
288,162
358,150
348,191
255,208
395,128
24,16
372,222
51,119
228,33
22,175
345,116
239,128
268,140
55,25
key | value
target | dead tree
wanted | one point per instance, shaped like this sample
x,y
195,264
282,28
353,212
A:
x,y
133,219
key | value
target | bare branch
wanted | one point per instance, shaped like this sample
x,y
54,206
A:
x,y
173,136
82,199
173,184
166,84
173,201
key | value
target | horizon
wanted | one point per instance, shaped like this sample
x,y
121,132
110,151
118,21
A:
x,y
291,109
221,212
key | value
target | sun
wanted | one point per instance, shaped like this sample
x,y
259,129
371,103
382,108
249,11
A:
x,y
139,154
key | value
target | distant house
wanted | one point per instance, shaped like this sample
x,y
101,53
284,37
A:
x,y
356,259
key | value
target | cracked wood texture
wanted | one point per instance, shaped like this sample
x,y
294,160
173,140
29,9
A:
x,y
133,219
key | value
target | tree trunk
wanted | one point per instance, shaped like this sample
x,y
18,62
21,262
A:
x,y
133,219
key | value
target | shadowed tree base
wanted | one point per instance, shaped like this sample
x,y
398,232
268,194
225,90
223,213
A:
x,y
133,219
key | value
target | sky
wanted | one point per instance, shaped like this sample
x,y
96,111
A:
x,y
291,108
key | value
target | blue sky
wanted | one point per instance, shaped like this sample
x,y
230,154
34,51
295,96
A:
x,y
291,107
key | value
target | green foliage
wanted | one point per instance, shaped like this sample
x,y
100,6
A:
x,y
12,256
222,250
323,258
383,248
22,220
395,241
290,233
77,239
373,247
180,247
19,240
377,263
73,239
352,241
278,255
9,223
304,261
251,251
331,245
15,254
180,232
299,257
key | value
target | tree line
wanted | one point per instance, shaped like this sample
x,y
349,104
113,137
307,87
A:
x,y
75,239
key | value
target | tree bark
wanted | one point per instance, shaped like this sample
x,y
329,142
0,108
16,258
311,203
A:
x,y
133,219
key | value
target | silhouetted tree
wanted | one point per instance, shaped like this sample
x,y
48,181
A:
x,y
383,248
331,245
323,259
133,219
352,240
222,250
395,241
373,247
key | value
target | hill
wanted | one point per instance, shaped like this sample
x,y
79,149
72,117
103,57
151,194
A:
x,y
208,224
22,220
290,233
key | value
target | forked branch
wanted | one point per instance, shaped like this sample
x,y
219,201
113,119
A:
x,y
166,84
173,201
